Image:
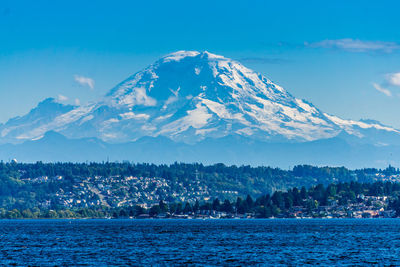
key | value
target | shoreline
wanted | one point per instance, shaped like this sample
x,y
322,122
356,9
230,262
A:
x,y
191,219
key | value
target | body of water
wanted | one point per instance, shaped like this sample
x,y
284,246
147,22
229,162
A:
x,y
200,242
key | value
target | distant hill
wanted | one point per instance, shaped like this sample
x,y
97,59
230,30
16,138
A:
x,y
112,184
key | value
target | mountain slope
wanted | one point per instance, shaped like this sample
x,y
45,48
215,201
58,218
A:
x,y
188,96
23,128
197,106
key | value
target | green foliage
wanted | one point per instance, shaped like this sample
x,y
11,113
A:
x,y
16,184
30,190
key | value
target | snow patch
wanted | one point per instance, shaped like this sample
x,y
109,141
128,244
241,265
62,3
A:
x,y
305,106
177,56
245,131
205,131
85,119
349,123
132,115
196,118
212,56
139,97
161,118
59,123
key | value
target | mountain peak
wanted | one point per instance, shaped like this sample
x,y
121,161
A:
x,y
190,96
182,54
49,100
178,55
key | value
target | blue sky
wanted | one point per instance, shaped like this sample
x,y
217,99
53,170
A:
x,y
343,56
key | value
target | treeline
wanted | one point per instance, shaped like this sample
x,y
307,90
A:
x,y
281,202
277,204
181,170
36,213
18,193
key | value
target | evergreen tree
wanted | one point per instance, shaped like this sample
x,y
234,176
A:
x,y
188,208
227,206
216,204
196,206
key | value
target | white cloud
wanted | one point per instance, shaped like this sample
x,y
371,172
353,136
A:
x,y
173,98
84,81
131,115
170,100
77,102
393,79
139,97
355,45
381,89
62,98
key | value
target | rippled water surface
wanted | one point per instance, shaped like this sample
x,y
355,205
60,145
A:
x,y
200,242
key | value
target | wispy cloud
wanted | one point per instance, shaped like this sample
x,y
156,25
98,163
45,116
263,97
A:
x,y
381,89
355,45
264,60
62,98
393,79
84,81
77,101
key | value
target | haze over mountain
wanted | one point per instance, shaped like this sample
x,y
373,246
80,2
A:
x,y
197,106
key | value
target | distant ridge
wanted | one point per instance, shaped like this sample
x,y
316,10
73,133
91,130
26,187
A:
x,y
185,102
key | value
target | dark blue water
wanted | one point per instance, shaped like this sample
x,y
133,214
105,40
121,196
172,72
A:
x,y
197,242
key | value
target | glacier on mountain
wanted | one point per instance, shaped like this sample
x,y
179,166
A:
x,y
190,96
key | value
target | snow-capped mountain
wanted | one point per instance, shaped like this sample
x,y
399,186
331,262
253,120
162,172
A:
x,y
188,97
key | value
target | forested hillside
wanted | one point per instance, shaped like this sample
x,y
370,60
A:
x,y
78,185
